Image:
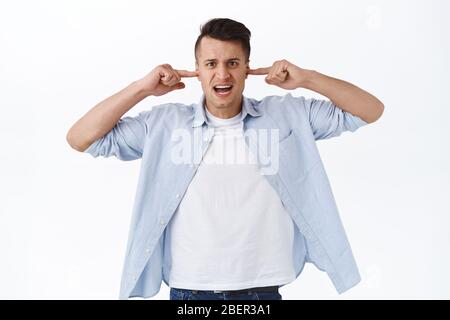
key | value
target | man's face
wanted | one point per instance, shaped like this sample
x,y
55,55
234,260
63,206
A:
x,y
222,63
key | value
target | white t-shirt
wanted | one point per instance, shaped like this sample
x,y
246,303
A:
x,y
231,230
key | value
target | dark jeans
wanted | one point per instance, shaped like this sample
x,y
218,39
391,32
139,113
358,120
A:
x,y
249,294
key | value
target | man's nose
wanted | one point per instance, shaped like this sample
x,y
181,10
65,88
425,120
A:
x,y
222,72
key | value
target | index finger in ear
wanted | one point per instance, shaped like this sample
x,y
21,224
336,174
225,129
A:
x,y
187,74
259,71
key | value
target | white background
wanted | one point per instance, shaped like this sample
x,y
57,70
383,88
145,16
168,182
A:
x,y
64,216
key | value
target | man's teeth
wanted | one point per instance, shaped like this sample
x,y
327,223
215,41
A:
x,y
222,87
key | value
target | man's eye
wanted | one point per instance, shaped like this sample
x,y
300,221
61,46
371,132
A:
x,y
209,64
234,63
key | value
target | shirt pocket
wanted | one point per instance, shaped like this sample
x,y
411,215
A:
x,y
298,156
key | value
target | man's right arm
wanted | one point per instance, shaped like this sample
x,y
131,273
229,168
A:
x,y
102,118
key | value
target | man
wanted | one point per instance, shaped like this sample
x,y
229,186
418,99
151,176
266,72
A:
x,y
226,229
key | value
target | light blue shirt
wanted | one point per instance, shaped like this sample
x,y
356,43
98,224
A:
x,y
300,181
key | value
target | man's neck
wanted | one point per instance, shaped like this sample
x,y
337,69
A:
x,y
225,113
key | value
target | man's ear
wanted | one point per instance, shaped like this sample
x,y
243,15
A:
x,y
247,67
196,69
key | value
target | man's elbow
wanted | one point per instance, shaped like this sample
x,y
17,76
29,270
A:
x,y
74,144
377,112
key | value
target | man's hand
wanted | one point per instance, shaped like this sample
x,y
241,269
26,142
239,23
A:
x,y
283,74
164,79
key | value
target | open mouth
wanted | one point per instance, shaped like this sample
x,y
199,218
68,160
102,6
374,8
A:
x,y
223,90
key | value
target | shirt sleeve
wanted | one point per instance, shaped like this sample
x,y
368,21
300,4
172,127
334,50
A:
x,y
125,141
328,120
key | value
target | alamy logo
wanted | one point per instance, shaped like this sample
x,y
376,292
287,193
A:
x,y
254,146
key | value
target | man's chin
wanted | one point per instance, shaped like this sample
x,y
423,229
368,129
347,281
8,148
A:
x,y
221,101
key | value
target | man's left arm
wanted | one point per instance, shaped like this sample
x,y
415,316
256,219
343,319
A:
x,y
343,94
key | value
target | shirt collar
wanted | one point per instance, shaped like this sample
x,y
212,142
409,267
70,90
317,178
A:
x,y
199,110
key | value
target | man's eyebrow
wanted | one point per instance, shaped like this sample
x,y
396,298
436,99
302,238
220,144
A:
x,y
231,59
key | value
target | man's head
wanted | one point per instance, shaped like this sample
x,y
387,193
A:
x,y
222,55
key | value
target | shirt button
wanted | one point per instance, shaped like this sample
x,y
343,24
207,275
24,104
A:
x,y
147,250
177,196
161,221
134,278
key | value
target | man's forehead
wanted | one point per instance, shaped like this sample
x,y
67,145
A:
x,y
225,59
221,50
